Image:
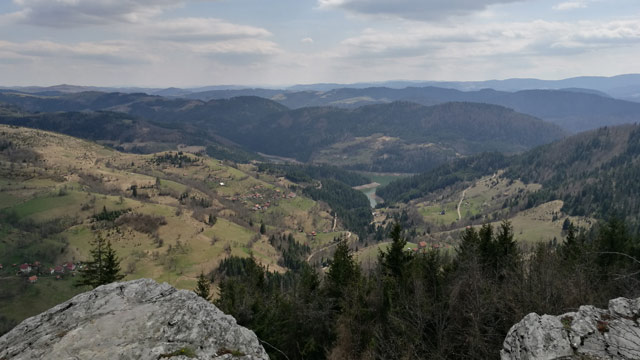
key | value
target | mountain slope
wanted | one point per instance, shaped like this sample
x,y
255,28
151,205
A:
x,y
593,173
398,136
392,129
574,109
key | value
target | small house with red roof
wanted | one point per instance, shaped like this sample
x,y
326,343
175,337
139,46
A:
x,y
422,244
33,279
25,268
58,270
70,266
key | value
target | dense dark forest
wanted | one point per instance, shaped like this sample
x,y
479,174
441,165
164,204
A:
x,y
465,169
351,206
307,173
429,304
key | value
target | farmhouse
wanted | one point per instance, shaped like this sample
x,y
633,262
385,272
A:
x,y
25,268
33,279
70,266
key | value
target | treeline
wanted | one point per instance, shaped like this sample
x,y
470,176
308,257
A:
x,y
351,206
465,169
231,153
308,173
429,305
293,253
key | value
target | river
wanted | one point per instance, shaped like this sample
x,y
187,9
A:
x,y
371,194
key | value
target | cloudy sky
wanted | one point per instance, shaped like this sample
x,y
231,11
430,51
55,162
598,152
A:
x,y
185,43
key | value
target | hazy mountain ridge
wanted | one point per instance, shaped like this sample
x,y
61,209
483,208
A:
x,y
574,109
440,132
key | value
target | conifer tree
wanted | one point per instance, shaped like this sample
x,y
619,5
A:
x,y
395,259
111,266
104,267
343,273
202,287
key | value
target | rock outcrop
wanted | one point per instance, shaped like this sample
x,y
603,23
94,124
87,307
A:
x,y
589,333
139,319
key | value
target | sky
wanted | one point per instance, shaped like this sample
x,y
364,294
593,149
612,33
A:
x,y
190,43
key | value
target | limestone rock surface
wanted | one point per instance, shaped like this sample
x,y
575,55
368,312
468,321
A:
x,y
589,333
139,319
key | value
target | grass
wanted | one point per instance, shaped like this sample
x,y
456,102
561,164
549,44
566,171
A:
x,y
431,213
49,206
185,351
25,300
73,161
8,200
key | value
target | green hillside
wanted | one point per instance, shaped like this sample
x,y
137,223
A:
x,y
169,215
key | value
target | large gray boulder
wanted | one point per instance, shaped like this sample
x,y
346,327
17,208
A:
x,y
139,319
589,333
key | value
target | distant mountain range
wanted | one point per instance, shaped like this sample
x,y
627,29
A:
x,y
397,136
573,109
625,86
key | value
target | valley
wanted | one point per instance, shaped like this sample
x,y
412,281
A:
x,y
174,214
244,187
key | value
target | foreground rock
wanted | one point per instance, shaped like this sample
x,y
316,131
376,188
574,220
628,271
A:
x,y
138,319
589,333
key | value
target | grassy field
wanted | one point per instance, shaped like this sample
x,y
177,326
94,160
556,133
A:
x,y
78,179
433,213
21,300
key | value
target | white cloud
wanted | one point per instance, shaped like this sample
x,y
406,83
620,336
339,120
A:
x,y
570,5
413,9
76,13
108,52
307,40
199,29
522,39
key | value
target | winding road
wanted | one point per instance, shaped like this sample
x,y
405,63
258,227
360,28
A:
x,y
325,248
461,200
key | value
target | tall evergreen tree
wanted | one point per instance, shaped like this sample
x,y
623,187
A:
x,y
469,244
111,266
395,258
104,267
202,287
343,273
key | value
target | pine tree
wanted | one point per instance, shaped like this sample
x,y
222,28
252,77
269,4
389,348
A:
x,y
263,229
395,259
202,287
111,266
104,268
343,273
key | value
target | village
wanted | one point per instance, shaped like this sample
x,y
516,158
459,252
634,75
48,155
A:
x,y
31,272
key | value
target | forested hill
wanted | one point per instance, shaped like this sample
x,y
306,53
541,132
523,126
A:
x,y
467,127
450,174
396,137
595,173
573,109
